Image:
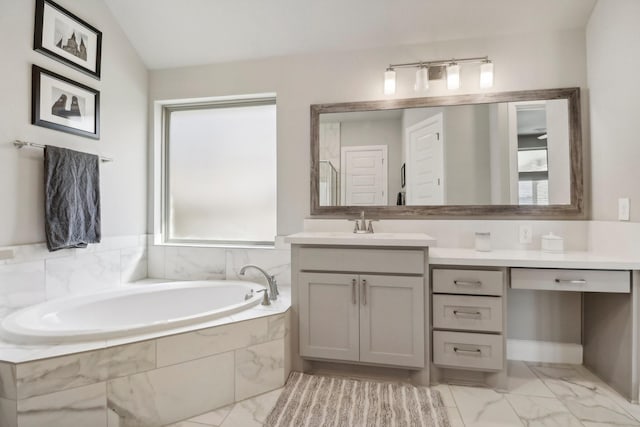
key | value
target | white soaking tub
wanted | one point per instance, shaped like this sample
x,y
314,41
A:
x,y
128,311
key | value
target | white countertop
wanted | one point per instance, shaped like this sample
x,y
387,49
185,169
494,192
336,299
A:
x,y
353,239
533,259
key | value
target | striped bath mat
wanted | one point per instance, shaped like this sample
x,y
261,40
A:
x,y
322,401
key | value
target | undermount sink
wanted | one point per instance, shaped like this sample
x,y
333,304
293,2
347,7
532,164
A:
x,y
371,239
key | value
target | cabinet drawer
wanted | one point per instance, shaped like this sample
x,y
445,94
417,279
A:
x,y
469,313
362,260
571,280
474,282
470,351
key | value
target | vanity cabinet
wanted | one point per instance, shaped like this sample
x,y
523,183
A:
x,y
468,319
370,310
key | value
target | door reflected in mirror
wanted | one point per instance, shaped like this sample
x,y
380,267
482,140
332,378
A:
x,y
503,153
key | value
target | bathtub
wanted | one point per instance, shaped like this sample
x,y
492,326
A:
x,y
128,311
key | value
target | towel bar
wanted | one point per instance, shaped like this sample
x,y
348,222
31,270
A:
x,y
21,144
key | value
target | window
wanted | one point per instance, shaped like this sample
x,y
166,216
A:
x,y
220,172
533,165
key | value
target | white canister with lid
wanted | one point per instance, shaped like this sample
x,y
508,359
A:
x,y
552,243
483,241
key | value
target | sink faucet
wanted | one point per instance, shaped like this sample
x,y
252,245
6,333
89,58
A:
x,y
361,226
271,280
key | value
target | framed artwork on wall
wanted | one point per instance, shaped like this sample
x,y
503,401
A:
x,y
62,104
64,37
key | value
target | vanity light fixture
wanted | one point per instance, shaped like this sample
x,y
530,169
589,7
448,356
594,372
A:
x,y
422,79
453,76
389,81
435,70
486,74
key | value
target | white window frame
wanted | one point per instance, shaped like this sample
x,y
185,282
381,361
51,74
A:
x,y
165,110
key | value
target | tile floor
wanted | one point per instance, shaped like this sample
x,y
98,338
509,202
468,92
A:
x,y
540,395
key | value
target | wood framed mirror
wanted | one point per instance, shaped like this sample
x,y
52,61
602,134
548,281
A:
x,y
499,155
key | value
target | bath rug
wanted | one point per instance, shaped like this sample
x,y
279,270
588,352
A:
x,y
328,401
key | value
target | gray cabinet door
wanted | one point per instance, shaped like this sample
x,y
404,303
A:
x,y
392,320
329,322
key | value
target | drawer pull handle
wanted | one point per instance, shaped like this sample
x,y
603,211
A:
x,y
364,292
571,282
353,291
467,282
461,313
475,352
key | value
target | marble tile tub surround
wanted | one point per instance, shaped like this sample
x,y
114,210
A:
x,y
199,263
34,274
153,382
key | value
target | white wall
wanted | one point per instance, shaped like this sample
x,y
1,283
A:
x,y
535,61
124,92
613,60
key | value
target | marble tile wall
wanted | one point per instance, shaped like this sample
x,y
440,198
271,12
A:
x,y
34,274
199,263
153,382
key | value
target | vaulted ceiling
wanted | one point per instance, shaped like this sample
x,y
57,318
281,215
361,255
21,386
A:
x,y
171,33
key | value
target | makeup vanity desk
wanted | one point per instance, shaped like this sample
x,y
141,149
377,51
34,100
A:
x,y
469,297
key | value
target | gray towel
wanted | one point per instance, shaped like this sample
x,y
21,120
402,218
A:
x,y
72,198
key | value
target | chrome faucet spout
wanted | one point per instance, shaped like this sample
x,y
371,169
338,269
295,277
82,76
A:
x,y
271,280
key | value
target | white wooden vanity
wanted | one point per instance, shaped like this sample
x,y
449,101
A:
x,y
392,301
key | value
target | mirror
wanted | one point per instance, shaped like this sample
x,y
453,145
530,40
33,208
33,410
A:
x,y
500,154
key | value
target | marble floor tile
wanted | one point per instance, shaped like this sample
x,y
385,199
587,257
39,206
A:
x,y
523,381
455,419
214,418
445,393
542,411
482,407
632,409
252,412
586,399
186,424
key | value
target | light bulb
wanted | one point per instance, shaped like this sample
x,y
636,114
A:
x,y
422,79
486,75
389,82
453,76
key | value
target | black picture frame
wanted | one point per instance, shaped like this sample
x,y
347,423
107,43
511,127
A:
x,y
53,24
403,180
74,107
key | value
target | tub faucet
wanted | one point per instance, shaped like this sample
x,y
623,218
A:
x,y
271,280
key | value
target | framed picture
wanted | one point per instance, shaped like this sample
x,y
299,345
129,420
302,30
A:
x,y
60,103
403,180
63,36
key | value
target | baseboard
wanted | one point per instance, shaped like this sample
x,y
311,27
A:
x,y
544,351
